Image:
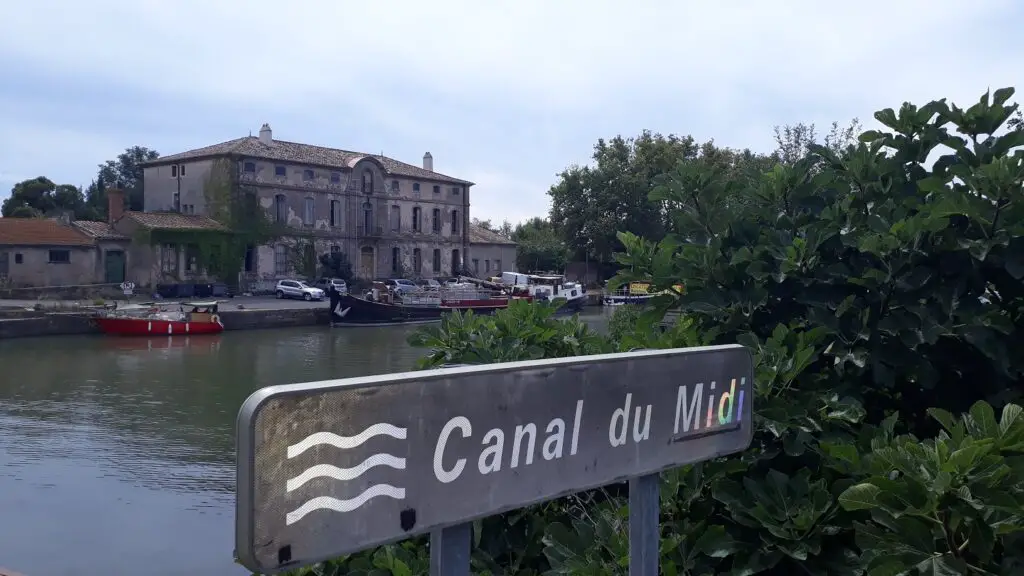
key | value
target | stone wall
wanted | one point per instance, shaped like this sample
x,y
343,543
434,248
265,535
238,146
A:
x,y
260,319
47,325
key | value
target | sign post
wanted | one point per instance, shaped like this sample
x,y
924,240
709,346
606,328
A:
x,y
330,468
128,287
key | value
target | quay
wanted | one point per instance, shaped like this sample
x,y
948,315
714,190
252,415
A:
x,y
23,319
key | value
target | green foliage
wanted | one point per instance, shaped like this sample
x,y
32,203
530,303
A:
x,y
881,296
41,197
523,331
538,246
336,265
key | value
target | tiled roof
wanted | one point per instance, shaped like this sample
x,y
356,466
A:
x,y
481,235
40,232
98,230
250,146
174,221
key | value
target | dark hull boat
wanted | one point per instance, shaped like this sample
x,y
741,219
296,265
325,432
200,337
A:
x,y
348,310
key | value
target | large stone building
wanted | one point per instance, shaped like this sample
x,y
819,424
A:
x,y
390,218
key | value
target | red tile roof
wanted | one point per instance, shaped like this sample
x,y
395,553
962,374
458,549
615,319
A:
x,y
99,230
40,232
174,221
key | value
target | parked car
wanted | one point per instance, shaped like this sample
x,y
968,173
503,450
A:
x,y
298,289
325,284
400,285
428,284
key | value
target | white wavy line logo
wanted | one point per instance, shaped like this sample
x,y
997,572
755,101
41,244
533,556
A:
x,y
346,442
337,505
345,474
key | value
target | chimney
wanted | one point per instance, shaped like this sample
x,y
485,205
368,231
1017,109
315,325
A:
x,y
266,136
115,204
428,162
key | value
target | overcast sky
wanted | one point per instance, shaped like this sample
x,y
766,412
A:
x,y
505,94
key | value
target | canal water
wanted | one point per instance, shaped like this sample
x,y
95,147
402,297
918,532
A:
x,y
117,454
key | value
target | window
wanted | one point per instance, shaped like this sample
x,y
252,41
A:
x,y
174,171
308,175
456,262
396,218
437,221
192,258
335,248
455,221
169,258
487,266
308,214
335,213
417,219
280,209
19,258
456,190
367,218
497,265
367,182
250,258
476,266
181,170
60,256
280,171
416,187
280,259
394,186
417,262
396,260
437,261
249,167
335,178
437,189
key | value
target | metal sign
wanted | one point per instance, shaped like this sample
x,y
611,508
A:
x,y
128,287
330,468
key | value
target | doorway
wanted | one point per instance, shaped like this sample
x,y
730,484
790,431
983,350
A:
x,y
114,266
366,267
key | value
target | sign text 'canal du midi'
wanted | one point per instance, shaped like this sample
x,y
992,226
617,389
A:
x,y
329,468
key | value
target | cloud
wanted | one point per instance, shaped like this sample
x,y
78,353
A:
x,y
507,93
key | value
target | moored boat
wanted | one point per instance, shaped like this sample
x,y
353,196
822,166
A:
x,y
634,293
547,287
138,320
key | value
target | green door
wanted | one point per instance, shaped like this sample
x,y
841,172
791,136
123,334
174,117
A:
x,y
114,263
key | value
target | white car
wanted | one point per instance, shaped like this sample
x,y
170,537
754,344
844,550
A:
x,y
298,289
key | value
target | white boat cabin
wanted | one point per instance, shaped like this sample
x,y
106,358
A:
x,y
548,286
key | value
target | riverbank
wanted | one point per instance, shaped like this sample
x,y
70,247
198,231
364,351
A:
x,y
64,320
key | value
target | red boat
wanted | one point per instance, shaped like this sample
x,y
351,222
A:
x,y
131,320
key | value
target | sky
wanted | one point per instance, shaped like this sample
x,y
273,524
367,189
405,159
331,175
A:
x,y
504,94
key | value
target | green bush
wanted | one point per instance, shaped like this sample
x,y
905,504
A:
x,y
881,295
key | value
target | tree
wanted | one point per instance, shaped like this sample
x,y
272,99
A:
x,y
538,246
41,197
336,265
125,172
590,204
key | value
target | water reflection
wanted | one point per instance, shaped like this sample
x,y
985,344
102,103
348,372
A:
x,y
117,455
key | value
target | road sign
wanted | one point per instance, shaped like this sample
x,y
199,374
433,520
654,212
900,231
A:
x,y
128,287
329,468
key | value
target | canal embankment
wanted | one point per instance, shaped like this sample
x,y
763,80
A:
x,y
67,321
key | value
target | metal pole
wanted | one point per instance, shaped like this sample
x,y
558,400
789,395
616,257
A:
x,y
644,530
449,550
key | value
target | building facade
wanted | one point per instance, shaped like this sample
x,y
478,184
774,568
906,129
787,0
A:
x,y
490,253
391,219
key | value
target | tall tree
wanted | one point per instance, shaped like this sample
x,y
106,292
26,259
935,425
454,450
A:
x,y
124,172
538,246
589,205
